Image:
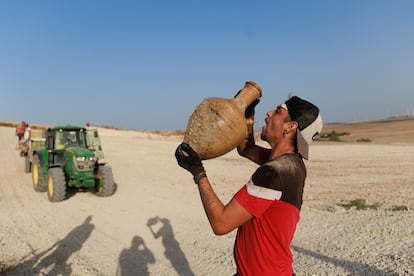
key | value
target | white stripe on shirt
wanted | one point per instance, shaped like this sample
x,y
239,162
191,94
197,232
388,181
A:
x,y
262,192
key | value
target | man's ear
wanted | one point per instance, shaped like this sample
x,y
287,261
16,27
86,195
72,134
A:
x,y
292,126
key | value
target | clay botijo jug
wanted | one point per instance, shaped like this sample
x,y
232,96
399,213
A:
x,y
218,125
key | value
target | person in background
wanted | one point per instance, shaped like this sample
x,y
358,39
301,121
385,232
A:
x,y
266,209
25,141
20,132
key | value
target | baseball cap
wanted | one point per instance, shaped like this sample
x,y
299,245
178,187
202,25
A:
x,y
309,120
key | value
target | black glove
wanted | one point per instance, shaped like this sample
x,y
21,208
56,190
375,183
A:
x,y
188,159
249,112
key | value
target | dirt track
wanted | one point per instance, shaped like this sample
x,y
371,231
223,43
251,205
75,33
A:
x,y
89,235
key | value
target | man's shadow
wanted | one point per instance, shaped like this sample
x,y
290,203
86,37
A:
x,y
135,260
363,269
56,257
173,250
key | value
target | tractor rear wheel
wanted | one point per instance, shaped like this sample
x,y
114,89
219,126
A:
x,y
106,184
56,184
37,178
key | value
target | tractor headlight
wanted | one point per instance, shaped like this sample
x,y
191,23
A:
x,y
85,163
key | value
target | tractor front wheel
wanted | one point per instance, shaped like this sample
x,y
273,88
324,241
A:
x,y
37,176
105,181
56,185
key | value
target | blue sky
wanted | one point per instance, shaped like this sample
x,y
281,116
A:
x,y
147,64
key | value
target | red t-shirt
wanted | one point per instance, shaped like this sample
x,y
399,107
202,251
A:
x,y
274,197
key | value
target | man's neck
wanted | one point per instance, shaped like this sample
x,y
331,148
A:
x,y
281,149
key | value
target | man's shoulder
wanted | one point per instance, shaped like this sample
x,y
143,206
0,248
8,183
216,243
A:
x,y
287,164
284,159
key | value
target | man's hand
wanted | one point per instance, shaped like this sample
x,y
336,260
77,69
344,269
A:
x,y
249,113
188,159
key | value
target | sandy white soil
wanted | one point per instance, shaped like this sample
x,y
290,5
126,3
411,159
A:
x,y
155,224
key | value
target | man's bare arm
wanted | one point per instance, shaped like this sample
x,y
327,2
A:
x,y
250,150
223,219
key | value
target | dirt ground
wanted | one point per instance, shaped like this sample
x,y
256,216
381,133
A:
x,y
155,224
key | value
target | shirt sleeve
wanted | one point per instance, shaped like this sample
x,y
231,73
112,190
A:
x,y
254,205
260,192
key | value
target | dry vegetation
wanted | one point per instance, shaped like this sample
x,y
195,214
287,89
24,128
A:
x,y
157,132
14,124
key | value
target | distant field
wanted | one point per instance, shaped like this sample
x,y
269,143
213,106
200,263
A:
x,y
14,124
386,131
391,130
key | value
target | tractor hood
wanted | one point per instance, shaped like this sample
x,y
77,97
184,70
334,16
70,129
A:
x,y
80,152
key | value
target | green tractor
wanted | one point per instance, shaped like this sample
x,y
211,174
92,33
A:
x,y
70,158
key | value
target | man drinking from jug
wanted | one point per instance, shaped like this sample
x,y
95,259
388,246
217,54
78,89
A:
x,y
266,209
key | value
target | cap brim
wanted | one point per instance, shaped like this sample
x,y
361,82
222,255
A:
x,y
302,145
306,136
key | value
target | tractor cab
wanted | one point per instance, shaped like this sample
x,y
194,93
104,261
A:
x,y
60,138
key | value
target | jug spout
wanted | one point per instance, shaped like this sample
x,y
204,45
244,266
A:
x,y
250,92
